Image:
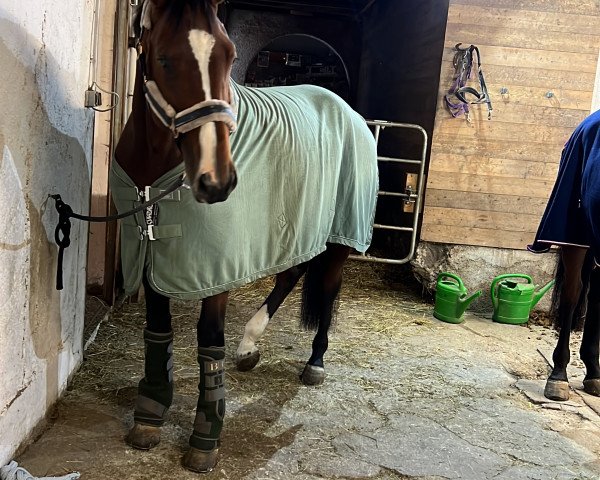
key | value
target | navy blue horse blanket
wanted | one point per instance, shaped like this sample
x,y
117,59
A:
x,y
572,215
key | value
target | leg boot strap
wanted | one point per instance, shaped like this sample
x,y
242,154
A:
x,y
149,412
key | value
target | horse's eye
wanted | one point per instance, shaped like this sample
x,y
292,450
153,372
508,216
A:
x,y
163,61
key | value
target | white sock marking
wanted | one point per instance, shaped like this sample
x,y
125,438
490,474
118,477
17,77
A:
x,y
202,44
253,331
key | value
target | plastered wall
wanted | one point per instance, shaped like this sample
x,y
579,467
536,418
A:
x,y
45,147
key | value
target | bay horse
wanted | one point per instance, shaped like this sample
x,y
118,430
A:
x,y
572,222
279,181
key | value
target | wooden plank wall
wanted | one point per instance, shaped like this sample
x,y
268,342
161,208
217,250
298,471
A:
x,y
489,181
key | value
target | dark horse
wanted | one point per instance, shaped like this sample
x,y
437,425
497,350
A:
x,y
280,181
572,221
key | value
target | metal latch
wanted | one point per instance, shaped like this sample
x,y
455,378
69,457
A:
x,y
410,190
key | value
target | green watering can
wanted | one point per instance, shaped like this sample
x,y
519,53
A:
x,y
514,300
451,298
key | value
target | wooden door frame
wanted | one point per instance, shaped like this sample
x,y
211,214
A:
x,y
113,72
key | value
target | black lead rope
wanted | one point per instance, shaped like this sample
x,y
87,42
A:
x,y
62,232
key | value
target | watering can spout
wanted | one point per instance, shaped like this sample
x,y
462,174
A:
x,y
465,301
540,293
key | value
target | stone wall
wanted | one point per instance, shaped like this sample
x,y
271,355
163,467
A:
x,y
478,266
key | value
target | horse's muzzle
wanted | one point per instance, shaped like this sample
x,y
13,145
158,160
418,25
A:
x,y
208,191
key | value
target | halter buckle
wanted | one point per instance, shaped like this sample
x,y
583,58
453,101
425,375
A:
x,y
174,129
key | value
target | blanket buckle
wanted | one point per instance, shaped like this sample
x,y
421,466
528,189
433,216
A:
x,y
150,232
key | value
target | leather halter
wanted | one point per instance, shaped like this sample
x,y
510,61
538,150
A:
x,y
201,113
463,64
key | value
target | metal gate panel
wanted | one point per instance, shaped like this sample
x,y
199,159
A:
x,y
408,195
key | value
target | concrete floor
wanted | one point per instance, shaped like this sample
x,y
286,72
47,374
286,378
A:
x,y
406,396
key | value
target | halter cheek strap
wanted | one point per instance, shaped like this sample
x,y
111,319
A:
x,y
145,17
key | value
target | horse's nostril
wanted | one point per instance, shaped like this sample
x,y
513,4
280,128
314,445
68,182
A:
x,y
205,181
210,191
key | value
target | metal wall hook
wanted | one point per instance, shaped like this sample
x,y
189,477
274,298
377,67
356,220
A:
x,y
552,99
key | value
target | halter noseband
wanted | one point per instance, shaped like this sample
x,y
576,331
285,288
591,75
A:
x,y
190,118
193,117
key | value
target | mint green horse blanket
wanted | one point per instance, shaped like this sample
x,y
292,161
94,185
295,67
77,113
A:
x,y
307,175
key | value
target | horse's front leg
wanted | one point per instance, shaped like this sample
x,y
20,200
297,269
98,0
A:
x,y
591,337
321,287
572,258
210,411
155,390
248,355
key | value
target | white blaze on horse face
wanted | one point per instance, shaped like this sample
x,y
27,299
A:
x,y
253,331
202,44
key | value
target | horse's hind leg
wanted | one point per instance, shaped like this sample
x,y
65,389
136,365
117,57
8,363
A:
x,y
210,411
321,287
155,390
248,355
572,258
591,337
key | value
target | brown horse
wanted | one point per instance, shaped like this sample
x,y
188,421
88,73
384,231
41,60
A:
x,y
189,117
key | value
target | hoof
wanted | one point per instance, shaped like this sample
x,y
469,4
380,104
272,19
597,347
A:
x,y
312,375
592,386
247,362
143,437
557,390
200,461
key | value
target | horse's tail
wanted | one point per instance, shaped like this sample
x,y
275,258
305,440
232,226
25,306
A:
x,y
581,308
316,304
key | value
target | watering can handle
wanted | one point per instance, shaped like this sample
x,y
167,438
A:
x,y
454,277
496,280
